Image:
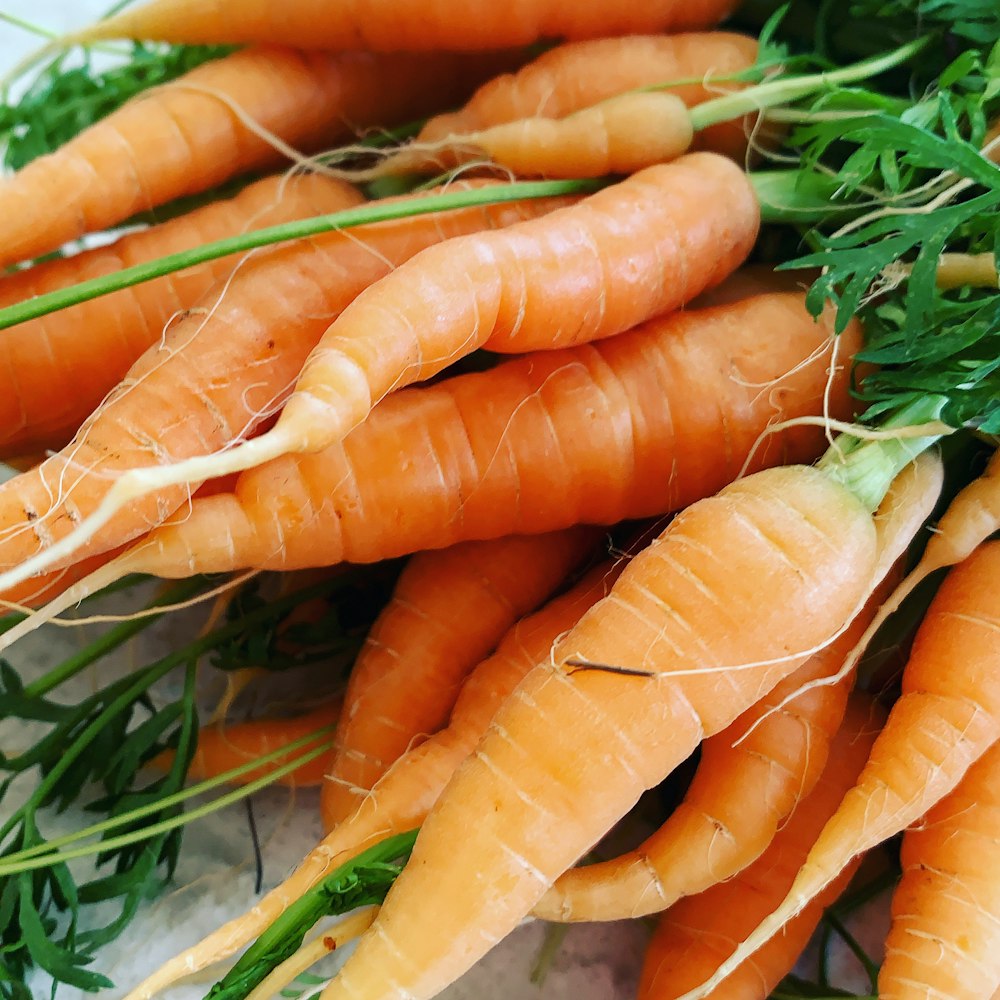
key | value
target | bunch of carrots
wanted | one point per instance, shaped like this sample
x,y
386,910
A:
x,y
486,292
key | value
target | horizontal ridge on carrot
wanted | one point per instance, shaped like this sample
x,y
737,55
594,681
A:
x,y
591,270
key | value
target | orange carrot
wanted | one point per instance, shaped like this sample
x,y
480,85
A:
x,y
449,610
947,716
58,368
578,75
399,25
217,376
402,797
737,592
945,934
588,271
212,124
751,777
671,410
693,936
224,747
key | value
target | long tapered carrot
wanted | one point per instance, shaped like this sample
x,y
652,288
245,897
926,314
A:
x,y
448,611
732,597
212,124
594,269
578,75
945,935
751,777
219,373
402,797
501,452
400,25
55,370
693,936
947,716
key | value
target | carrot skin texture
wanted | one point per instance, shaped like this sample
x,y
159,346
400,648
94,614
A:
x,y
577,75
635,250
751,777
56,369
449,610
945,933
508,446
569,753
691,937
402,25
192,139
947,716
212,381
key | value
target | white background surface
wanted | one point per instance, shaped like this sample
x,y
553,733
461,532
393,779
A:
x,y
215,879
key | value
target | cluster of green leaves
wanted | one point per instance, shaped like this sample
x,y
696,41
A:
x,y
71,92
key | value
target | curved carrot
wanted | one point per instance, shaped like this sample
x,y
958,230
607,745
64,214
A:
x,y
737,592
751,777
217,375
591,270
402,797
945,935
671,410
56,369
399,25
947,716
209,125
577,75
693,936
448,611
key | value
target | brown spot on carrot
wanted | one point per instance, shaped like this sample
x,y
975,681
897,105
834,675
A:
x,y
330,943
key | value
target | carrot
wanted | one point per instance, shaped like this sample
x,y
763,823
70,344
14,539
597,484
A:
x,y
588,271
403,795
577,75
449,609
218,374
224,747
399,25
58,368
751,777
671,410
693,936
737,592
946,909
947,716
215,122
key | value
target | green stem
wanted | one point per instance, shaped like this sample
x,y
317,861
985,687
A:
x,y
112,639
789,89
177,798
165,826
42,305
867,468
790,196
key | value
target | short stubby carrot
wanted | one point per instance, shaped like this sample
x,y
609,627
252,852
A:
x,y
217,375
750,778
735,594
213,123
945,935
55,370
577,75
589,271
400,25
947,716
449,609
672,409
402,797
696,934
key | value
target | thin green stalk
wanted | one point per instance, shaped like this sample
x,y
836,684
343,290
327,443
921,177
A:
x,y
42,305
870,967
789,196
10,866
789,89
112,639
177,798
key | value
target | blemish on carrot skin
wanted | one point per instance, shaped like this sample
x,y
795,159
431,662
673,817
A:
x,y
330,943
